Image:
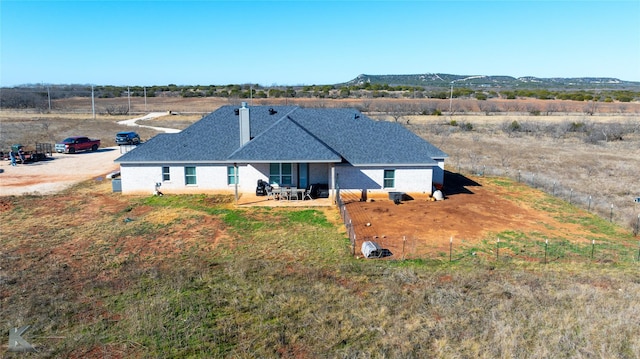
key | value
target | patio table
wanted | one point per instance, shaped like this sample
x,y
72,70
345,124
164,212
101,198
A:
x,y
297,192
288,193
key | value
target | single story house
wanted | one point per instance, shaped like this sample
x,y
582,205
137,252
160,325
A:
x,y
232,148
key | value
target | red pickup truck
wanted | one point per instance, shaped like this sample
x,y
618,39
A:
x,y
77,143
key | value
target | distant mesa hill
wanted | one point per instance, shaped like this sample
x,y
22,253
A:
x,y
432,80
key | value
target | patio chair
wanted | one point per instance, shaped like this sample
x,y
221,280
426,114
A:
x,y
307,194
270,193
293,194
273,191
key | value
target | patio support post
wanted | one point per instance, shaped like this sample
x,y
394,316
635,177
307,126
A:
x,y
235,180
332,185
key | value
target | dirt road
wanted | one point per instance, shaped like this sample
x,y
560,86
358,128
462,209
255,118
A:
x,y
136,122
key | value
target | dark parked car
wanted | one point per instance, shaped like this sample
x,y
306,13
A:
x,y
127,138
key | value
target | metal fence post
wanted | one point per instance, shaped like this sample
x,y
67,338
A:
x,y
404,240
611,214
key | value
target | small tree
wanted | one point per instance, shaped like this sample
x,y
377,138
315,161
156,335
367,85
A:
x,y
117,110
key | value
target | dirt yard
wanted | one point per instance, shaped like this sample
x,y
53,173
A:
x,y
471,212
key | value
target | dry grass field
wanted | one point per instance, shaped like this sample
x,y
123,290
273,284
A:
x,y
97,274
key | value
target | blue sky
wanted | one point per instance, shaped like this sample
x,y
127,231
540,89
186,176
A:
x,y
211,42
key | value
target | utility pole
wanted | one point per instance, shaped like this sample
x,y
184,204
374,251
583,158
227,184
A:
x,y
451,98
93,104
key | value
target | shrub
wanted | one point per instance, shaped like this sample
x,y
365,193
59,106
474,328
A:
x,y
577,127
117,110
466,126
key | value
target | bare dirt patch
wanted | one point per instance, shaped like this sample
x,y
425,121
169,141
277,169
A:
x,y
473,211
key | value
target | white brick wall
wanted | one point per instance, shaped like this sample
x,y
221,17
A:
x,y
407,179
213,178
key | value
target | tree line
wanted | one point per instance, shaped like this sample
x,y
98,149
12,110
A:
x,y
39,96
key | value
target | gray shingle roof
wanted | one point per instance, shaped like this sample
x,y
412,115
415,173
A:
x,y
289,134
285,141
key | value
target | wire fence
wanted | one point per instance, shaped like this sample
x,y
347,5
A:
x,y
506,246
624,212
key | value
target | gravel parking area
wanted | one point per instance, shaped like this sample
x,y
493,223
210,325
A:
x,y
57,173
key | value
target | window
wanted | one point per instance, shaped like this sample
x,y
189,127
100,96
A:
x,y
286,173
231,175
389,178
281,173
166,175
190,176
274,173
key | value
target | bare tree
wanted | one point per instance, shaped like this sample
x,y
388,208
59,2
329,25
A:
x,y
397,111
505,159
590,108
550,108
117,110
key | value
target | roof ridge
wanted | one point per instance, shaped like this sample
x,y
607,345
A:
x,y
266,130
315,137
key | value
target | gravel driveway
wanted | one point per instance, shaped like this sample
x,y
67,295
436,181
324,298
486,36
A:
x,y
57,173
63,170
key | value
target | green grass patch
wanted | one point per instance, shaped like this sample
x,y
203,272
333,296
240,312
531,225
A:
x,y
310,217
502,182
